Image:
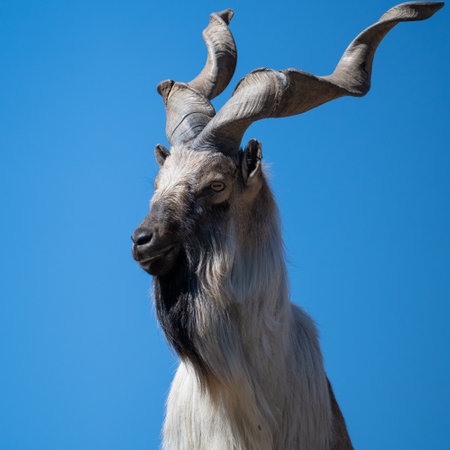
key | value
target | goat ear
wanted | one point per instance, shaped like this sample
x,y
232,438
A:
x,y
161,153
251,161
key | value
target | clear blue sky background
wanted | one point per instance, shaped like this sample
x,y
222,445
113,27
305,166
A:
x,y
363,186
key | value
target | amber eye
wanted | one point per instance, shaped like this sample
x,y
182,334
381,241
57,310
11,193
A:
x,y
217,186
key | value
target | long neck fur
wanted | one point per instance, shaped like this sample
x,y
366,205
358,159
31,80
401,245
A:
x,y
265,386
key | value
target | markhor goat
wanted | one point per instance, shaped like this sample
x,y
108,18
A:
x,y
251,374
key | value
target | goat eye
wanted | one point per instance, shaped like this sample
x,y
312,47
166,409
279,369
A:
x,y
217,186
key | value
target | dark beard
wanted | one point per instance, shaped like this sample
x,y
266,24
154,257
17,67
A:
x,y
175,294
177,291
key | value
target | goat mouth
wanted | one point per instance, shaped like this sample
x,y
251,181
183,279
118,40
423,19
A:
x,y
156,255
160,261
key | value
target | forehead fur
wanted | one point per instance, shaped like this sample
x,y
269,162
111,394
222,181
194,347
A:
x,y
188,167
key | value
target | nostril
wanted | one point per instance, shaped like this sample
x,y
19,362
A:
x,y
142,238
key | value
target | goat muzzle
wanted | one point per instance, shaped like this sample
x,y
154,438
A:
x,y
154,247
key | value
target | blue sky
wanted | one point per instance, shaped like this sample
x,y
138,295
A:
x,y
362,184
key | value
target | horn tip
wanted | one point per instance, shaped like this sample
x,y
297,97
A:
x,y
439,5
412,11
432,6
164,88
226,15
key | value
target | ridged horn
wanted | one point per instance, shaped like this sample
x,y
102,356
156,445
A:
x,y
187,105
222,56
268,93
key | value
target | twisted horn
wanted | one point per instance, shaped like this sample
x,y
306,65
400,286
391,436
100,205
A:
x,y
222,56
267,93
187,104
